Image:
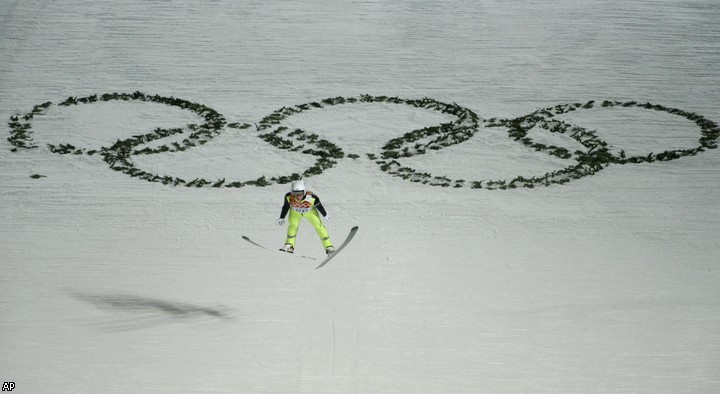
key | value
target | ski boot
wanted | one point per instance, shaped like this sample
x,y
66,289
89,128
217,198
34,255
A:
x,y
330,250
287,248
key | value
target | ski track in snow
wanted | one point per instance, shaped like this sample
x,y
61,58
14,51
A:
x,y
605,284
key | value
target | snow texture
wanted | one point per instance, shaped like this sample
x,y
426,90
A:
x,y
605,284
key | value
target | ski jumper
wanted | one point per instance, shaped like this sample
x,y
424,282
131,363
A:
x,y
309,207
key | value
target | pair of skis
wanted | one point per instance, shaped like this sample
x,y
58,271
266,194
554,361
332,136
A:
x,y
328,258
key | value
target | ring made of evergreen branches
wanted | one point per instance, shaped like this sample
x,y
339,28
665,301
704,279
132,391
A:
x,y
119,155
598,155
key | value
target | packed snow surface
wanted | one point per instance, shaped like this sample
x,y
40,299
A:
x,y
608,283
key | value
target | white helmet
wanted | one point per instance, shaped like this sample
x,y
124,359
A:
x,y
298,186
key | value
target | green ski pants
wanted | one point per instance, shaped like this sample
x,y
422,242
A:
x,y
313,217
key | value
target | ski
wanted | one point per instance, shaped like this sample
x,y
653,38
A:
x,y
254,243
343,245
266,248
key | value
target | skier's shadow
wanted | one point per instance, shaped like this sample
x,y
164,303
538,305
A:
x,y
135,312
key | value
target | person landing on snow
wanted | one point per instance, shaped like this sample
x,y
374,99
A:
x,y
301,203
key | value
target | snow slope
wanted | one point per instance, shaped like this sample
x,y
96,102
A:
x,y
608,283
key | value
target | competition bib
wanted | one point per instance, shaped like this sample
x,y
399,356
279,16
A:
x,y
303,206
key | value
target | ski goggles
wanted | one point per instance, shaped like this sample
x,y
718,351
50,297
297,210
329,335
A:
x,y
298,193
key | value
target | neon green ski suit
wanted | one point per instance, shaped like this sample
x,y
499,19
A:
x,y
307,206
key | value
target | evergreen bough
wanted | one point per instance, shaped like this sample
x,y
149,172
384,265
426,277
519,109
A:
x,y
417,142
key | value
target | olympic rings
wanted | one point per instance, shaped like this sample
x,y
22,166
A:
x,y
416,142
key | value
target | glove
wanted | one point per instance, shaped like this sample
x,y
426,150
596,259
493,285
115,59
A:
x,y
281,222
327,217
